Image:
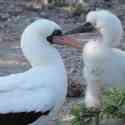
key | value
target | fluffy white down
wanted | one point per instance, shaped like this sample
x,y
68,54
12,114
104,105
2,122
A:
x,y
108,25
42,87
104,65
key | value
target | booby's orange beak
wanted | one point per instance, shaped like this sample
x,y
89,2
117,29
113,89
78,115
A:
x,y
66,40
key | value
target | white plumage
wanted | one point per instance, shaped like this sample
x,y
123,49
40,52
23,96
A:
x,y
35,90
104,64
43,87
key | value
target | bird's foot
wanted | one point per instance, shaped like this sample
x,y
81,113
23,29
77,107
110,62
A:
x,y
93,103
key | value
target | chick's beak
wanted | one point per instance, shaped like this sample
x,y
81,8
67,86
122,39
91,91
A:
x,y
86,27
67,40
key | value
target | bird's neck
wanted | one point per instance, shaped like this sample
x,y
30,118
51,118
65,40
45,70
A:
x,y
106,38
38,51
110,38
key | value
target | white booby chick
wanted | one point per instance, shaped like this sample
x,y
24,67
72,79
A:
x,y
104,64
42,89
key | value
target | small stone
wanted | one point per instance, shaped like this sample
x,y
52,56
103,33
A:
x,y
74,89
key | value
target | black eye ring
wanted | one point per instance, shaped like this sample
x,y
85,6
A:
x,y
55,33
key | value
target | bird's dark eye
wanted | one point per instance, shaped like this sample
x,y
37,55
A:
x,y
55,33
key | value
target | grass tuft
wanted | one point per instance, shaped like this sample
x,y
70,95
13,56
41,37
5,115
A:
x,y
113,108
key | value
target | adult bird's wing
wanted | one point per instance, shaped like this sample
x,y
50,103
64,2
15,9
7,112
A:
x,y
31,79
32,90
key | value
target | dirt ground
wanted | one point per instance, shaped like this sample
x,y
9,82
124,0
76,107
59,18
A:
x,y
15,15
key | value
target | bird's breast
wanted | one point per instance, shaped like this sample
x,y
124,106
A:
x,y
94,51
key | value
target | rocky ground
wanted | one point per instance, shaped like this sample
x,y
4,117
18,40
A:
x,y
15,15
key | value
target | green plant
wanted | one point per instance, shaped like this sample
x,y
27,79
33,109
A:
x,y
114,104
81,115
79,9
57,2
113,107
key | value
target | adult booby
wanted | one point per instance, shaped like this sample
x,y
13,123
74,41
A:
x,y
42,89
